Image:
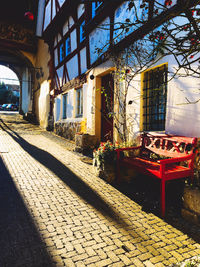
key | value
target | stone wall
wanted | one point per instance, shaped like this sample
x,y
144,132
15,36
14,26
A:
x,y
191,204
67,129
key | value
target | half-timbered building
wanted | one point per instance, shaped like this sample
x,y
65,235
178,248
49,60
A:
x,y
79,34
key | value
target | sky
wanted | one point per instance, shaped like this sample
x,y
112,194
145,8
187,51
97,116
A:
x,y
8,76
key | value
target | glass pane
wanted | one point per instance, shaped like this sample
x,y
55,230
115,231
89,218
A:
x,y
154,98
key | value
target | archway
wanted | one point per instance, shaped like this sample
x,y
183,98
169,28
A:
x,y
23,68
9,88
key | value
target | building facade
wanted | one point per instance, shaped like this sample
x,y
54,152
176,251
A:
x,y
79,35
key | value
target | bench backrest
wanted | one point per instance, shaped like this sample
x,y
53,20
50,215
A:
x,y
169,145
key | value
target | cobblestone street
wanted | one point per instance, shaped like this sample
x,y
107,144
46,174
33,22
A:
x,y
54,211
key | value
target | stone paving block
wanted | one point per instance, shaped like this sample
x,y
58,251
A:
x,y
79,220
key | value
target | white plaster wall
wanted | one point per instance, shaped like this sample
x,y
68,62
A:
x,y
66,27
183,105
57,108
133,109
54,9
43,104
83,57
25,92
56,57
47,15
182,117
90,109
85,86
80,10
59,37
72,66
70,104
40,17
60,74
73,40
61,2
71,22
121,14
99,38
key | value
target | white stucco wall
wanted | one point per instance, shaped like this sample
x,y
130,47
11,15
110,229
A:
x,y
54,9
80,10
43,104
71,22
66,27
73,39
47,15
56,57
183,106
182,117
70,104
90,109
60,74
72,66
121,14
99,38
25,91
61,2
57,108
83,57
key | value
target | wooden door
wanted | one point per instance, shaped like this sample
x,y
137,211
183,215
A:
x,y
107,99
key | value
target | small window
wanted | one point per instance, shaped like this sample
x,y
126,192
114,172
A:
x,y
79,102
68,46
61,52
96,6
154,99
82,31
64,106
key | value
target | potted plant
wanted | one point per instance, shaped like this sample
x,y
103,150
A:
x,y
104,159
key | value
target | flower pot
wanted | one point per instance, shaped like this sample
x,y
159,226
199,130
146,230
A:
x,y
106,171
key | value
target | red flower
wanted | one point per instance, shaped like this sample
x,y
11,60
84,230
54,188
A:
x,y
191,56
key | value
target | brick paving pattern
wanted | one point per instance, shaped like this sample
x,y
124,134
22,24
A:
x,y
54,211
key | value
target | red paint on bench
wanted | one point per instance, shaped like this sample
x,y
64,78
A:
x,y
179,149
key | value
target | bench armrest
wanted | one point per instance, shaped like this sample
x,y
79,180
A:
x,y
118,150
127,148
174,160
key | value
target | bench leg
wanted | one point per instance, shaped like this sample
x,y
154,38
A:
x,y
162,197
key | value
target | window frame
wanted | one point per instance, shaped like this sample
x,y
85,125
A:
x,y
61,52
67,47
64,105
95,9
82,34
79,102
154,98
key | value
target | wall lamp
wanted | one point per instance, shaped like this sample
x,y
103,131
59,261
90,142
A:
x,y
92,77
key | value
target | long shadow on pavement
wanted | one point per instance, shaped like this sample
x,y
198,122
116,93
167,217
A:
x,y
20,242
66,175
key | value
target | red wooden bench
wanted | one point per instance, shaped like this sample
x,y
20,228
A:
x,y
179,162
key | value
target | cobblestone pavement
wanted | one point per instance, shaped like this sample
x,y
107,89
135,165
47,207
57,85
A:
x,y
54,211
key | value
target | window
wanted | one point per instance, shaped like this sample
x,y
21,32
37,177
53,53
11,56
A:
x,y
79,102
82,31
65,106
67,46
96,6
61,52
154,98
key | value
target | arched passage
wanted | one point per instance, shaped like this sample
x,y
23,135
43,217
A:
x,y
24,70
10,86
